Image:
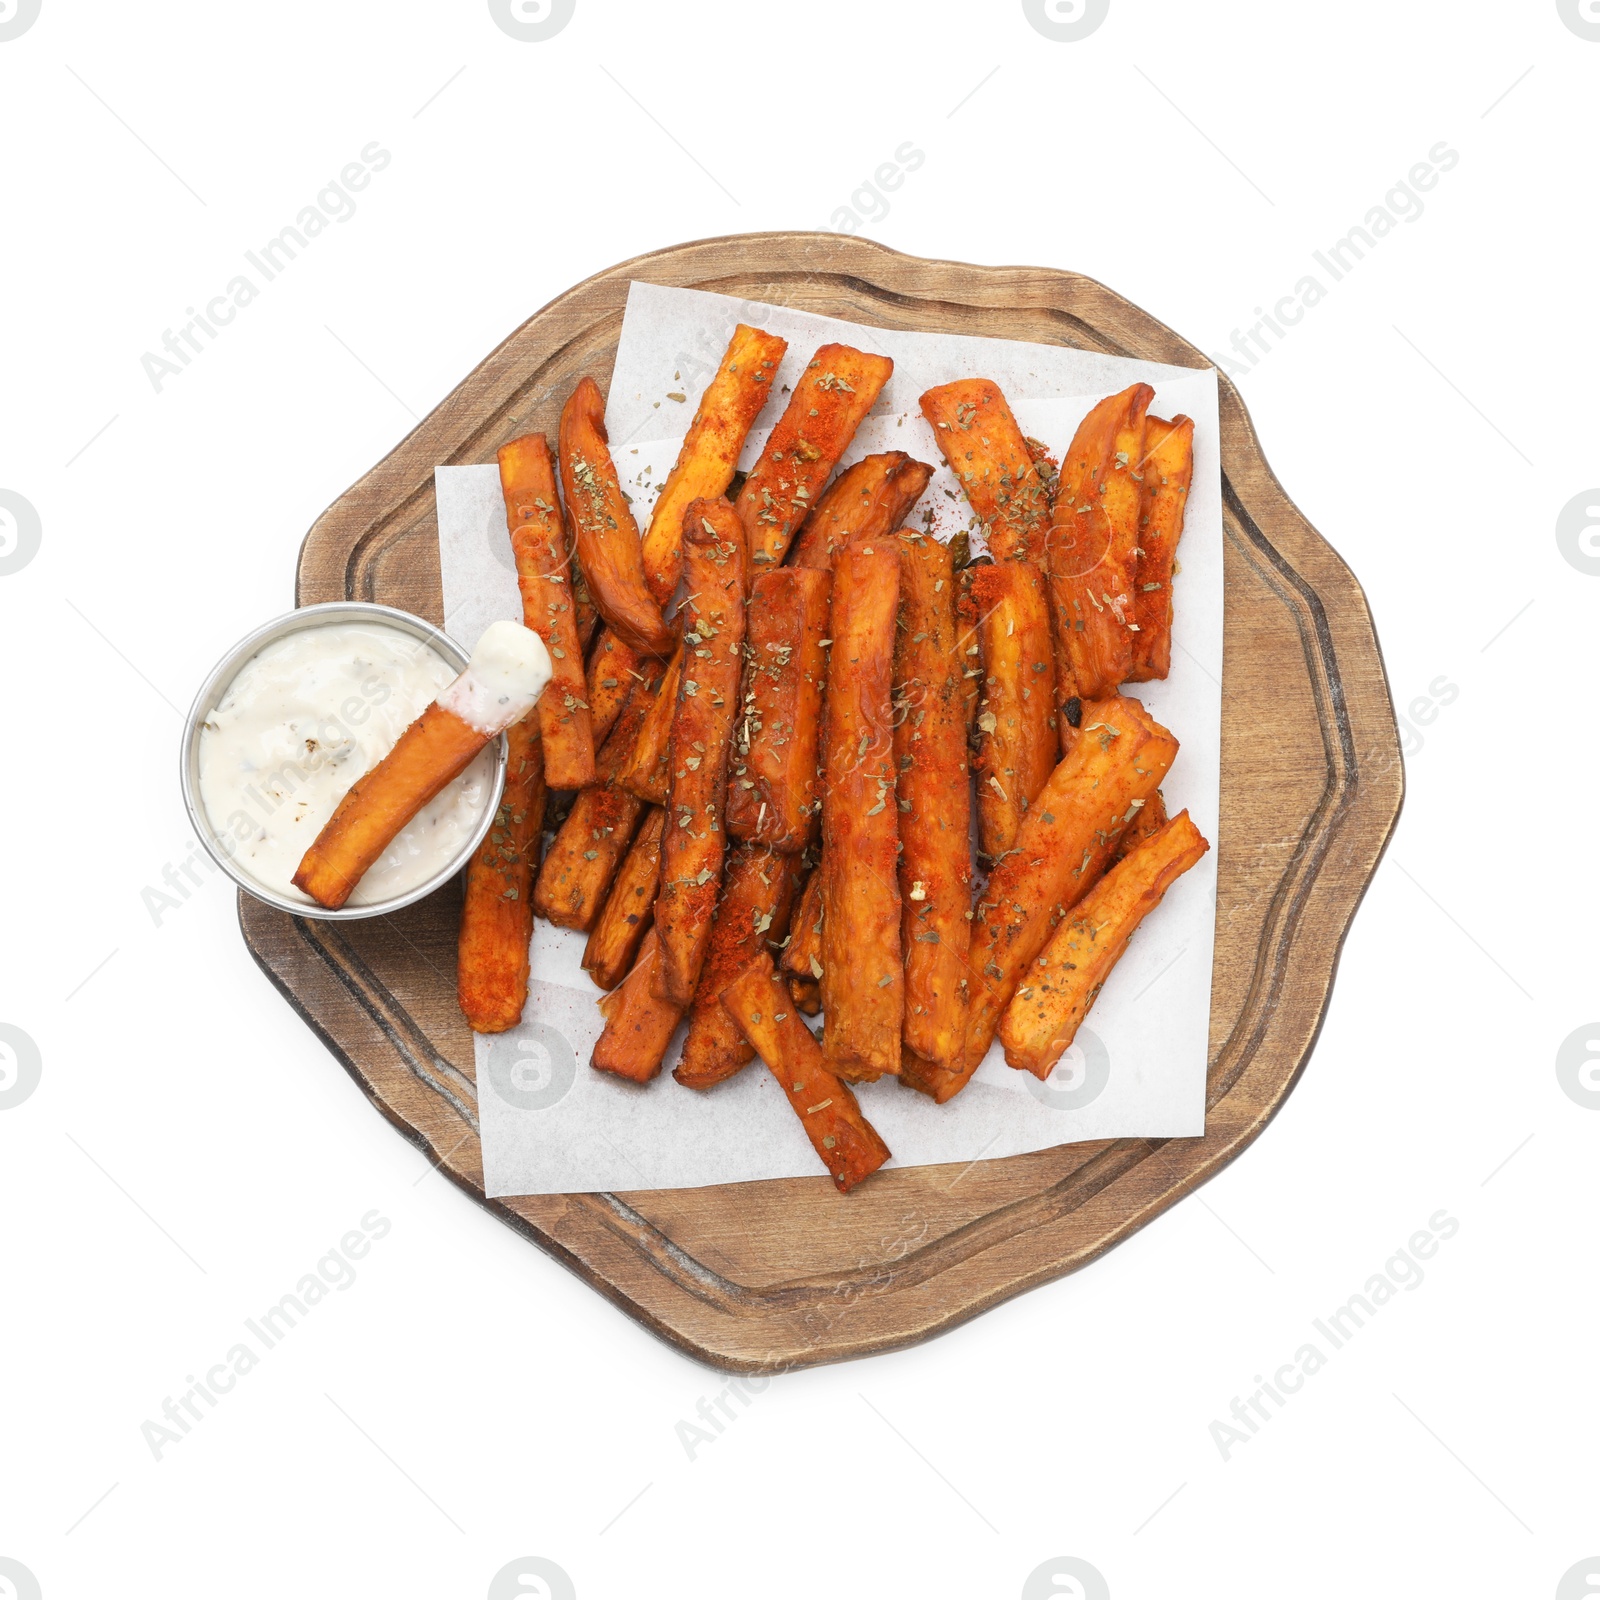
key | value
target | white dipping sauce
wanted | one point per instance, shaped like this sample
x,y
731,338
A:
x,y
508,671
303,719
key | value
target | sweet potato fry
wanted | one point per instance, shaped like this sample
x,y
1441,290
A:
x,y
508,671
988,453
710,454
630,907
1164,497
1086,468
863,981
583,602
1093,534
644,771
1018,746
969,653
1065,979
837,389
605,534
545,576
1121,756
774,793
848,1144
497,906
1093,646
639,1027
758,895
583,606
807,994
613,669
585,853
1120,491
928,1077
1148,820
802,955
694,840
872,498
934,799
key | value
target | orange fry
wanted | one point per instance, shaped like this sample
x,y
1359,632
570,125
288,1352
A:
x,y
545,576
612,671
639,1027
1093,534
872,497
710,454
802,955
969,653
497,905
1120,488
863,981
1164,497
584,855
644,772
509,669
935,805
1150,819
587,615
1087,467
630,907
807,994
583,602
758,895
837,389
988,453
606,536
848,1144
1121,756
693,841
774,794
1065,979
1018,746
929,1077
1092,644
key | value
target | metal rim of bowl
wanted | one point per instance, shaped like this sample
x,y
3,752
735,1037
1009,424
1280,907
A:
x,y
227,669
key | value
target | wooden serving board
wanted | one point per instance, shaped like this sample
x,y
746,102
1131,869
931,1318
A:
x,y
761,1276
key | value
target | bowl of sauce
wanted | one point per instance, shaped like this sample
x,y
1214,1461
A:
x,y
288,720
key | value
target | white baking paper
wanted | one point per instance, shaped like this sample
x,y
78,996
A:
x,y
550,1124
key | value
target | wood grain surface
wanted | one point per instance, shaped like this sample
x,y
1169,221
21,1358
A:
x,y
765,1276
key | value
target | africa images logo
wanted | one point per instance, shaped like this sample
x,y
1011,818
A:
x,y
20,1066
533,1068
1078,1078
1578,533
15,1579
531,1578
16,17
1578,1066
1065,1578
1066,21
1582,17
532,21
20,532
1580,1582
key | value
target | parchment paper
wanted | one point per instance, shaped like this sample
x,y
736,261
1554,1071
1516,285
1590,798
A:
x,y
549,1123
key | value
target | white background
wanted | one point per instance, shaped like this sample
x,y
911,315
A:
x,y
192,1150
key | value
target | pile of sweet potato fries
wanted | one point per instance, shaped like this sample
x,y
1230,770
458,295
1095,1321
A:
x,y
778,779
